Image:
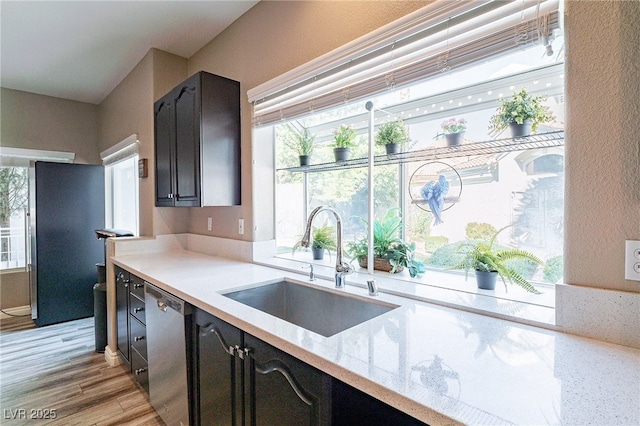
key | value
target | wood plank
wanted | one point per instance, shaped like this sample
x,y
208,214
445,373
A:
x,y
56,368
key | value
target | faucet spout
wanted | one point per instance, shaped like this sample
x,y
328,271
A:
x,y
342,267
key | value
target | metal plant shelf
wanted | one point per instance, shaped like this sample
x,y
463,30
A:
x,y
544,140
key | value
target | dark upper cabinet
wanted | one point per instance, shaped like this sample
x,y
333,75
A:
x,y
197,143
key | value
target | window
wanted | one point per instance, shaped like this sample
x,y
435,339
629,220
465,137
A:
x,y
121,185
13,215
14,201
493,182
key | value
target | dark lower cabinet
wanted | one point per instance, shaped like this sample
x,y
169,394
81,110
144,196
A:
x,y
354,407
122,313
131,324
241,380
283,390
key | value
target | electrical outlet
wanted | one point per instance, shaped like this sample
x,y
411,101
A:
x,y
632,260
209,224
240,226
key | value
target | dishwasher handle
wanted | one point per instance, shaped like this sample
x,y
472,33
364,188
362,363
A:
x,y
166,300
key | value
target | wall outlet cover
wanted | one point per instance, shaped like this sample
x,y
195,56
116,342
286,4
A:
x,y
632,260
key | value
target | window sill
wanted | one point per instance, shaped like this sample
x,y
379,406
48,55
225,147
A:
x,y
442,288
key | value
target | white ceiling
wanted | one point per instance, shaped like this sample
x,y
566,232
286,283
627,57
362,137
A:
x,y
81,50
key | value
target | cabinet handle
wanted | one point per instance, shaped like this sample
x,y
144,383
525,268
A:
x,y
210,328
136,310
139,371
138,338
276,365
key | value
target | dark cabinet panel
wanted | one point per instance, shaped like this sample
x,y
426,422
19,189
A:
x,y
216,400
164,140
188,144
122,312
197,140
354,407
136,308
241,380
140,370
132,331
138,337
283,390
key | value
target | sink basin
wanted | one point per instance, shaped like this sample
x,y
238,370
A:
x,y
319,310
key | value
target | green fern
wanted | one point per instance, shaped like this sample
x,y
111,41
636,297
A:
x,y
481,256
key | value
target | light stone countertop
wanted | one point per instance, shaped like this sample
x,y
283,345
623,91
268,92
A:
x,y
439,364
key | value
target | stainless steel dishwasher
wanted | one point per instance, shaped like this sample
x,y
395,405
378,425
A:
x,y
167,327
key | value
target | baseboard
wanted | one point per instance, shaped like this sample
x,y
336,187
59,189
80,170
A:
x,y
18,311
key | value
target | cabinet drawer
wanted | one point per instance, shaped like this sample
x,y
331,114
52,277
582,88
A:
x,y
138,336
140,370
136,286
136,308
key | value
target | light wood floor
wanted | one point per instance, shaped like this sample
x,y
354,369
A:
x,y
55,369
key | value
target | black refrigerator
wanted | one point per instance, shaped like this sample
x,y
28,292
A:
x,y
66,206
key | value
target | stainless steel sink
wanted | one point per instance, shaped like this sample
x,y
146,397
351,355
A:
x,y
322,311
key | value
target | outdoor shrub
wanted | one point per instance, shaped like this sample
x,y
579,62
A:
x,y
553,269
431,244
480,231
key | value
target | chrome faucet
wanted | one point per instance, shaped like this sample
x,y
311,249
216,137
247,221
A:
x,y
342,268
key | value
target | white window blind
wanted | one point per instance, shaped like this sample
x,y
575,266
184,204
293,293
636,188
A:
x,y
442,36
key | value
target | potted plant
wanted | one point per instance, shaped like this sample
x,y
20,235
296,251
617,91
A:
x,y
391,254
344,138
301,142
521,113
392,135
489,262
323,239
453,131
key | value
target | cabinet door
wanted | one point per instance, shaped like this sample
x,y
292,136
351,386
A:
x,y
122,312
164,141
187,146
282,390
218,375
